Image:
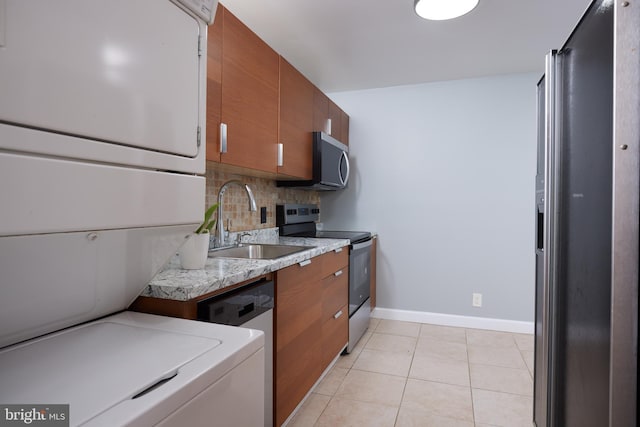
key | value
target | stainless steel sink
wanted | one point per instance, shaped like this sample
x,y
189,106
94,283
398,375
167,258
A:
x,y
257,251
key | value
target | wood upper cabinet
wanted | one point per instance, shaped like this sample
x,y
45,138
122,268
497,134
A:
x,y
214,85
296,122
263,101
248,96
320,110
325,110
344,128
335,115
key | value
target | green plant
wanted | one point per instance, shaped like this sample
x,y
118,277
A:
x,y
208,223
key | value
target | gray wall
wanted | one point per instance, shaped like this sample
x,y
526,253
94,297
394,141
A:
x,y
444,172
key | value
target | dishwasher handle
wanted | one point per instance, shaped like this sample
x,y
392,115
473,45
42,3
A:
x,y
238,306
247,309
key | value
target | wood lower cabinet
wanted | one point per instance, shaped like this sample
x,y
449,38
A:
x,y
299,305
372,290
309,332
297,329
335,315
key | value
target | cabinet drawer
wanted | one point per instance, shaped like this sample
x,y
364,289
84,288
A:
x,y
334,261
335,335
335,292
309,271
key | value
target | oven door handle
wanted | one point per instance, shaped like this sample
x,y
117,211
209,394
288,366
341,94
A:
x,y
362,245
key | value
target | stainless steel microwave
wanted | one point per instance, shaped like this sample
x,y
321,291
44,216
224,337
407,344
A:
x,y
330,165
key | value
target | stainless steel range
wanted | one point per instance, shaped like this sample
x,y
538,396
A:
x,y
299,220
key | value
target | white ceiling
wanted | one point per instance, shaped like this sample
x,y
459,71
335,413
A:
x,y
357,44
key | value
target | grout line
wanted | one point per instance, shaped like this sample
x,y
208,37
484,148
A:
x,y
473,410
323,410
502,366
503,392
406,380
527,365
407,377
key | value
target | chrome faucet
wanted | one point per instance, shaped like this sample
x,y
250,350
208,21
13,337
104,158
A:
x,y
220,233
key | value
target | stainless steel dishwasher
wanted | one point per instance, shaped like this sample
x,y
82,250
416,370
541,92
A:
x,y
251,307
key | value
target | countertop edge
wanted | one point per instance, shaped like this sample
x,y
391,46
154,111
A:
x,y
175,283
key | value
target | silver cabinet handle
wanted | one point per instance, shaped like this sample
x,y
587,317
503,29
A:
x,y
338,250
223,137
338,273
305,262
281,154
338,314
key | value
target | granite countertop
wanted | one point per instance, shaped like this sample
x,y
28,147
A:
x,y
174,283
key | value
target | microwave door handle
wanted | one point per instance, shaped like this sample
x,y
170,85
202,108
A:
x,y
346,160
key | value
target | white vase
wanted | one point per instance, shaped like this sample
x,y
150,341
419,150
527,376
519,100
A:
x,y
193,253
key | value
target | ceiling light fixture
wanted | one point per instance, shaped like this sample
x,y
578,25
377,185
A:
x,y
439,10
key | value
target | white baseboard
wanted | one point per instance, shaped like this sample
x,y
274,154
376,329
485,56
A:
x,y
454,320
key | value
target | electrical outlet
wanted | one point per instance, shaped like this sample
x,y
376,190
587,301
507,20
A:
x,y
263,215
477,300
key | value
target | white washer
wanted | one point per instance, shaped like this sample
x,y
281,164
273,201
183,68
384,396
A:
x,y
214,373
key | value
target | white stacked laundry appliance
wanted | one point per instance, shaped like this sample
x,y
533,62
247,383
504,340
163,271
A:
x,y
102,136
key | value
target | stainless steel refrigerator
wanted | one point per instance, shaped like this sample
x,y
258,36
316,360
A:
x,y
587,217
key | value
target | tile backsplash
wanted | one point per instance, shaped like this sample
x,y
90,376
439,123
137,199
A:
x,y
236,203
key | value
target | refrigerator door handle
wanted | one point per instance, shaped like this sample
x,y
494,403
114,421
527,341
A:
x,y
550,238
623,408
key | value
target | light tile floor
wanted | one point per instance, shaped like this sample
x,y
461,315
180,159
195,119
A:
x,y
407,374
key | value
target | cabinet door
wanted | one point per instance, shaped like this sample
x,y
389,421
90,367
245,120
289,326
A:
x,y
335,292
320,111
335,115
214,85
335,335
296,122
298,335
249,97
329,118
345,128
335,260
